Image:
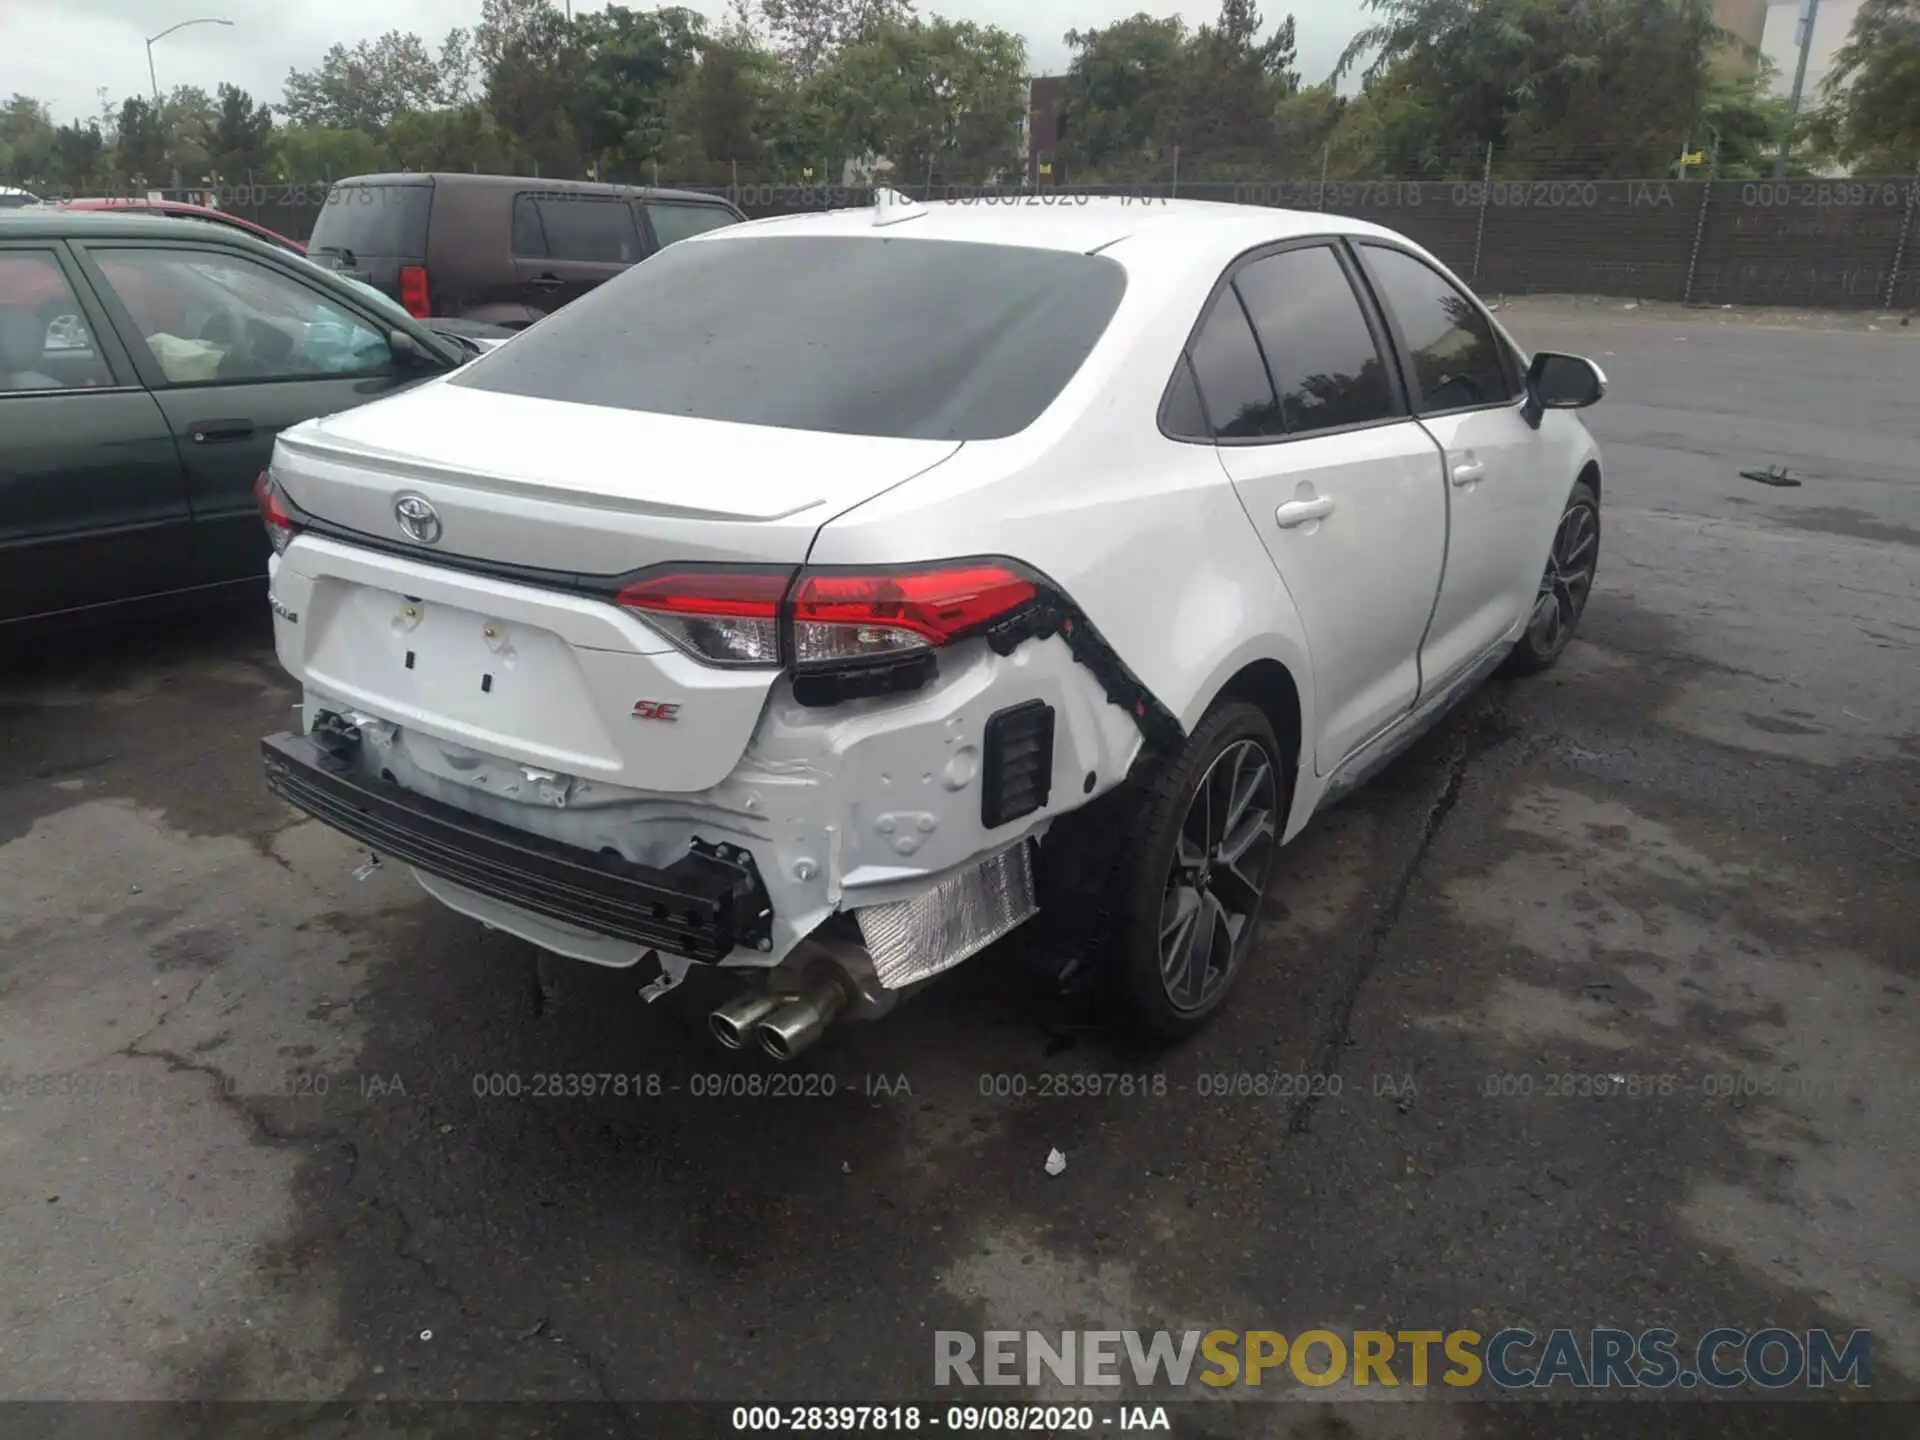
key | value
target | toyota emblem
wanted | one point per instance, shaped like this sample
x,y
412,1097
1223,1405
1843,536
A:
x,y
418,519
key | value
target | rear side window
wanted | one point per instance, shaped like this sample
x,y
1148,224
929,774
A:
x,y
587,227
1323,359
389,221
1231,376
847,334
1457,362
677,221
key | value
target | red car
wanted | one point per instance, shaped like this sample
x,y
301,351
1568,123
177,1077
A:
x,y
187,211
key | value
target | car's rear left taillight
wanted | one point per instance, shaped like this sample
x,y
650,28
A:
x,y
842,616
414,297
274,513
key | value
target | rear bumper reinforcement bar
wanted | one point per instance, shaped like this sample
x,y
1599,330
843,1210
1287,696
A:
x,y
702,906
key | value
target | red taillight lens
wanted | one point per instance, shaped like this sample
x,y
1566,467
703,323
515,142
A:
x,y
855,615
273,513
413,291
734,616
725,617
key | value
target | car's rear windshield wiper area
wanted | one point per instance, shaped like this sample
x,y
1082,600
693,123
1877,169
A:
x,y
847,334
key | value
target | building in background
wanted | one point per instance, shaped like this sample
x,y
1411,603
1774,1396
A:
x,y
1040,132
1745,21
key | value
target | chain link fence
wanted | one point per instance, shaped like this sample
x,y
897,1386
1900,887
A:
x,y
1843,243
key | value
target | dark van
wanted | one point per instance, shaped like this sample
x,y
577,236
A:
x,y
502,249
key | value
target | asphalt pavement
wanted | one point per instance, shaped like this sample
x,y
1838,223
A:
x,y
1611,985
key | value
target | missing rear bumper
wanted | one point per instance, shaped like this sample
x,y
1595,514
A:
x,y
703,906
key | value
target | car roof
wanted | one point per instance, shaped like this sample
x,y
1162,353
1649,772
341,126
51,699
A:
x,y
1132,230
57,222
461,178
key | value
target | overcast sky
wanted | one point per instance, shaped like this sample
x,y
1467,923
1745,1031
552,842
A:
x,y
62,50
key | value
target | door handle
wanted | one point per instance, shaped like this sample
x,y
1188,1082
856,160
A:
x,y
1466,472
1299,512
221,432
546,282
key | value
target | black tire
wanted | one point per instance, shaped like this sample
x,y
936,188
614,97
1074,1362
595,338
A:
x,y
1573,558
1147,874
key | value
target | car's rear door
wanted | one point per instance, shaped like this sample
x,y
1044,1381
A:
x,y
1503,497
566,244
1295,377
236,347
93,504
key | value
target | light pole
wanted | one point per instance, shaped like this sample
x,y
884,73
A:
x,y
1811,14
153,78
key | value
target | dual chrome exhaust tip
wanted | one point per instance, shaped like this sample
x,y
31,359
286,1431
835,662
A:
x,y
782,1023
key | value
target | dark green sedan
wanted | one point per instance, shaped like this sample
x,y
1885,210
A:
x,y
146,365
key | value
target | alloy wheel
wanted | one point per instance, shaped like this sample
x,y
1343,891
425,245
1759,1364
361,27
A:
x,y
1568,579
1217,879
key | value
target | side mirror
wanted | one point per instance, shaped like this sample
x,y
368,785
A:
x,y
1562,382
408,352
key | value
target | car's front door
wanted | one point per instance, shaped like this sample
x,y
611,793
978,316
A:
x,y
1344,488
236,349
93,505
1502,503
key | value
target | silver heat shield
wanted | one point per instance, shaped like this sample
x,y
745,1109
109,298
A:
x,y
962,915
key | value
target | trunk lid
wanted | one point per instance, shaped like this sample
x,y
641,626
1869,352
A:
x,y
471,664
585,489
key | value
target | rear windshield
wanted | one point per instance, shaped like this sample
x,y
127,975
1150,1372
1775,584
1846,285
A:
x,y
363,220
854,335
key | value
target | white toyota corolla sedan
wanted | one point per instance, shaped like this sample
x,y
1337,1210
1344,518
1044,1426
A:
x,y
828,596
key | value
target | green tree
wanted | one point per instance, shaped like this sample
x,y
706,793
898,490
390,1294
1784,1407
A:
x,y
459,137
367,87
242,135
1125,87
140,145
931,96
631,66
312,155
1567,87
79,157
531,69
1145,87
1870,116
809,34
189,119
734,101
26,142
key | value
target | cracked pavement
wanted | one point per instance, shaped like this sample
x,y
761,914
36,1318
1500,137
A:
x,y
248,1149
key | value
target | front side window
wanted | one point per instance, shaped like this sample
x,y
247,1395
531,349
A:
x,y
207,316
847,334
1457,360
44,340
1321,354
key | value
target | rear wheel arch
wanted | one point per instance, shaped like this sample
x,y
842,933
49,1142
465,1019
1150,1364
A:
x,y
1271,686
